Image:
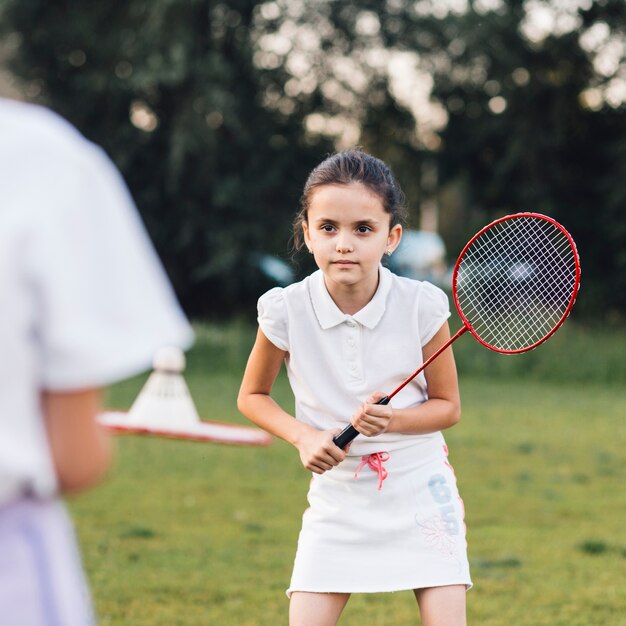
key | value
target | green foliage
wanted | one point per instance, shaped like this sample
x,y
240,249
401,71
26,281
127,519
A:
x,y
545,152
206,120
519,136
170,90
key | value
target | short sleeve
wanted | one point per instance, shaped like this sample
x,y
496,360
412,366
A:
x,y
433,310
272,317
103,299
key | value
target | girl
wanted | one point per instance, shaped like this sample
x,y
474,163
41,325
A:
x,y
385,514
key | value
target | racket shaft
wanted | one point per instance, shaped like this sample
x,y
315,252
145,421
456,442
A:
x,y
350,432
428,361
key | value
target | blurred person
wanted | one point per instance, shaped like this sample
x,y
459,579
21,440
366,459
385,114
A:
x,y
344,333
84,302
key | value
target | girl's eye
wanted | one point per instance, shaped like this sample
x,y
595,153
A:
x,y
363,229
327,228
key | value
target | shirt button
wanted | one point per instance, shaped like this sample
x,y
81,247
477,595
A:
x,y
351,323
350,341
352,366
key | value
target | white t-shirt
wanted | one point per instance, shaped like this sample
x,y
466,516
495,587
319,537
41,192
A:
x,y
335,361
84,300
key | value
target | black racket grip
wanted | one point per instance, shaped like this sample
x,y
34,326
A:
x,y
350,432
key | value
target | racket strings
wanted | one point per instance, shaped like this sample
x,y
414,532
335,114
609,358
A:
x,y
544,261
517,290
507,333
515,282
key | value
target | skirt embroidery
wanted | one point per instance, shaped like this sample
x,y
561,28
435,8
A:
x,y
442,531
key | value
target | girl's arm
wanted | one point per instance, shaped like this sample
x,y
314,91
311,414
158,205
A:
x,y
440,411
317,451
81,449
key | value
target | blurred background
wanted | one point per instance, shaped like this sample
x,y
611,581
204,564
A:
x,y
215,112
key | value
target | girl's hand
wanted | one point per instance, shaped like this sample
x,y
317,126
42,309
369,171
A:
x,y
318,452
373,419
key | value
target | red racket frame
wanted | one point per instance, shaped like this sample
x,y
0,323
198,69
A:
x,y
348,433
468,324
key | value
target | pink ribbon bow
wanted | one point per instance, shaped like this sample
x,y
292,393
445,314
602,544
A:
x,y
375,462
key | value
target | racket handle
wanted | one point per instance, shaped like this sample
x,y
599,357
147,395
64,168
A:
x,y
350,432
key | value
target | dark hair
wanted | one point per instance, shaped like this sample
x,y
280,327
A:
x,y
344,168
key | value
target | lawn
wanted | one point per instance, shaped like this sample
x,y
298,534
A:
x,y
201,534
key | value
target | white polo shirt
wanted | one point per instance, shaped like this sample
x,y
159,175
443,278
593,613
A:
x,y
84,300
335,361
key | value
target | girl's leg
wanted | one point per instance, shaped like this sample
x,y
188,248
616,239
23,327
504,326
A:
x,y
316,609
442,606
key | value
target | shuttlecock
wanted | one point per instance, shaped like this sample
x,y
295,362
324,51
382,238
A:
x,y
164,400
164,408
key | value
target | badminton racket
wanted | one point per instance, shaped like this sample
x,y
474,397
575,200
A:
x,y
514,284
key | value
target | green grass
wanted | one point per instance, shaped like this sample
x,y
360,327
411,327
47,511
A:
x,y
198,534
574,354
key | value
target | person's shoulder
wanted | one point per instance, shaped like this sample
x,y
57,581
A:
x,y
40,133
282,294
24,119
405,285
299,287
412,284
274,296
406,289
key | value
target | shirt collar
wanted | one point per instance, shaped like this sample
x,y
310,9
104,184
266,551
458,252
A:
x,y
328,313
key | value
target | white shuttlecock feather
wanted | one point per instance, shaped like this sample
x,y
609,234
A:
x,y
164,408
164,400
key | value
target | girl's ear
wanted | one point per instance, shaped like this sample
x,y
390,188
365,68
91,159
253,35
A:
x,y
395,235
305,235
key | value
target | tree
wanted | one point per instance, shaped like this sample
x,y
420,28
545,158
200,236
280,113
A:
x,y
170,89
521,138
215,112
520,133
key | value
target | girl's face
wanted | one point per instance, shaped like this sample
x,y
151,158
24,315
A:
x,y
347,229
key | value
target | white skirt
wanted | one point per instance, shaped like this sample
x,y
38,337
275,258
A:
x,y
395,528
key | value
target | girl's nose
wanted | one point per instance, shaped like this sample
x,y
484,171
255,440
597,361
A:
x,y
344,244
